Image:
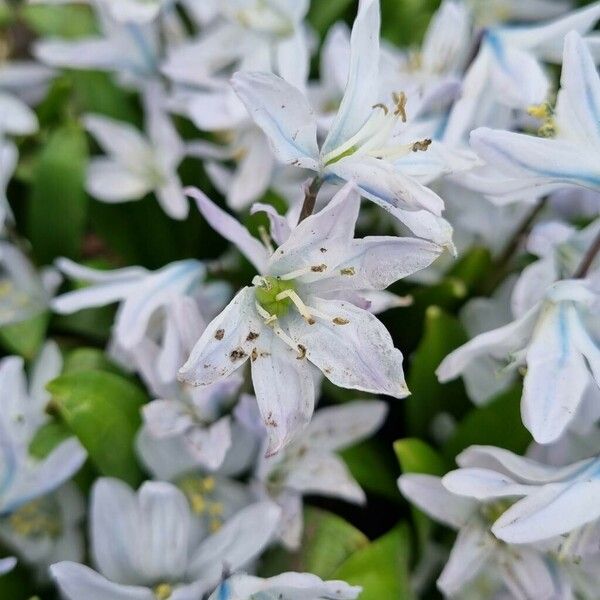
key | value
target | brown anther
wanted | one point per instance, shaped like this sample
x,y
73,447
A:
x,y
421,145
340,321
318,268
219,334
383,107
349,271
301,352
310,321
252,336
253,354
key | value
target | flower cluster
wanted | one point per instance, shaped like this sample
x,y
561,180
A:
x,y
210,342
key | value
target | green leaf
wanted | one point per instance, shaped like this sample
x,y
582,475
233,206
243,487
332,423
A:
x,y
371,464
59,21
443,333
323,14
103,410
89,359
25,338
481,426
472,268
381,568
57,207
327,542
416,456
47,438
96,92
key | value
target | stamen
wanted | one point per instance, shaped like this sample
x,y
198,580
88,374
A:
x,y
400,100
284,337
265,238
302,309
268,317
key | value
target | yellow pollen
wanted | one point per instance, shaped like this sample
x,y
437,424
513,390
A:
x,y
163,591
215,525
208,484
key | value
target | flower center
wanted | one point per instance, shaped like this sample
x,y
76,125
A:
x,y
275,295
375,137
37,519
493,511
200,492
545,113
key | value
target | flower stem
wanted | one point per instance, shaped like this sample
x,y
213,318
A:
x,y
588,259
310,198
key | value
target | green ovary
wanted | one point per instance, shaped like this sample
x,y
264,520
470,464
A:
x,y
267,293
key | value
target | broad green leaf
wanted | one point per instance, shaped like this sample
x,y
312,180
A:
x,y
327,542
47,438
86,359
381,568
443,333
416,456
497,424
371,464
103,410
57,208
92,323
25,338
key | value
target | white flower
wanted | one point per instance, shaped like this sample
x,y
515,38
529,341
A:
x,y
249,35
164,304
484,378
287,586
47,529
555,500
365,144
21,83
130,50
148,545
524,163
292,317
507,73
22,414
7,564
24,293
555,339
310,465
560,249
522,570
137,165
198,418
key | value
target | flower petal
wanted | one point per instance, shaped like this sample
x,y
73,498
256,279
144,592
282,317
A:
x,y
226,343
164,531
78,581
427,493
337,427
471,551
352,348
556,378
557,508
283,113
237,543
362,85
109,181
284,389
